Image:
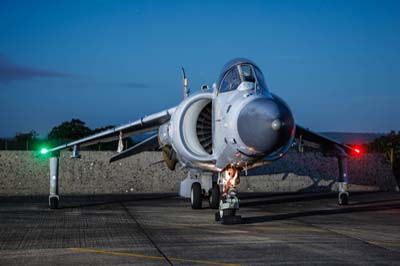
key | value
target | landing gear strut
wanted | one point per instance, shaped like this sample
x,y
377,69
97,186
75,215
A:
x,y
343,197
229,202
54,198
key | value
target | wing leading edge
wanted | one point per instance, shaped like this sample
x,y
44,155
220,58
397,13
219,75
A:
x,y
328,143
147,123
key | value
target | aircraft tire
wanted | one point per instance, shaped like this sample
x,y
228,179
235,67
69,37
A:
x,y
214,197
343,199
196,196
53,203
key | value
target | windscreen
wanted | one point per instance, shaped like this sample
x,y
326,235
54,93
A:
x,y
260,79
231,80
247,73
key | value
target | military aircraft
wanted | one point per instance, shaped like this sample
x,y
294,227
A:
x,y
235,126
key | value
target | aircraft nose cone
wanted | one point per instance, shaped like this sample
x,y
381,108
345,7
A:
x,y
265,125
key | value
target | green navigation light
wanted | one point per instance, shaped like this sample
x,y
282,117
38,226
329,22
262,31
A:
x,y
44,151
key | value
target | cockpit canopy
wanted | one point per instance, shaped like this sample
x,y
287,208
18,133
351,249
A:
x,y
240,70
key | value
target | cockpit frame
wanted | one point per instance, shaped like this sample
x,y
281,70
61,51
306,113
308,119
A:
x,y
234,74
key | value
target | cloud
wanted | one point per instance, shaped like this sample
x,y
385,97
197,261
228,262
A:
x,y
10,71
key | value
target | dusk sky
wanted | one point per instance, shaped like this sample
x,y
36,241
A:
x,y
336,63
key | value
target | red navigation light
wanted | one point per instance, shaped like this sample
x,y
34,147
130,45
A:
x,y
357,150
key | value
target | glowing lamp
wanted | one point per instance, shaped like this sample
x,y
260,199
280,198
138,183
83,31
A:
x,y
43,151
357,150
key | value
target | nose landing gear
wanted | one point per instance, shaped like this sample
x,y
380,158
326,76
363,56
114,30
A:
x,y
229,202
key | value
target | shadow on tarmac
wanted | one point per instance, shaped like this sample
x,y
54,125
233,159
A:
x,y
81,201
274,198
352,208
91,201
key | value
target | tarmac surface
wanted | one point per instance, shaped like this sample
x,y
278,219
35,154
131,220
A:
x,y
161,229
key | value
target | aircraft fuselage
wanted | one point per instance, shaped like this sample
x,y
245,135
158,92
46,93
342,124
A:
x,y
238,124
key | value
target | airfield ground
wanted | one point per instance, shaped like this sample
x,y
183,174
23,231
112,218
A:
x,y
161,229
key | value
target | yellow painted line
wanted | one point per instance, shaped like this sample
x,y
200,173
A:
x,y
294,229
127,254
389,244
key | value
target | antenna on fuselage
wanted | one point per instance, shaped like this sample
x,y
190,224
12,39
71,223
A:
x,y
186,91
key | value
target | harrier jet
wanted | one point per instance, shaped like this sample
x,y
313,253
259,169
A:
x,y
225,131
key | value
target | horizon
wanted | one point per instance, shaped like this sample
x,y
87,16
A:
x,y
40,136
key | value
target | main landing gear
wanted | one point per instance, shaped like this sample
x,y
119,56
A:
x,y
210,191
196,197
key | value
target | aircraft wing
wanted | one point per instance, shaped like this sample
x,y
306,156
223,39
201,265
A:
x,y
147,123
148,144
327,143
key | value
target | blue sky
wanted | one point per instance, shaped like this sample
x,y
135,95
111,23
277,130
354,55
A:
x,y
336,63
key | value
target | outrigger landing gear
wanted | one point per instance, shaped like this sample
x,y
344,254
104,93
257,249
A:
x,y
54,198
229,202
343,196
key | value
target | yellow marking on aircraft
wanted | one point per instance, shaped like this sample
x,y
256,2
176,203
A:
x,y
127,254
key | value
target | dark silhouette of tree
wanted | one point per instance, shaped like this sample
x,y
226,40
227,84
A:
x,y
70,130
63,133
389,145
28,136
25,140
101,129
76,129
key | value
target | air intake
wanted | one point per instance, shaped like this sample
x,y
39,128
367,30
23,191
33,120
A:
x,y
204,128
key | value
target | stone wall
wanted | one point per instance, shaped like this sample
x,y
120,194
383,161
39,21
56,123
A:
x,y
21,173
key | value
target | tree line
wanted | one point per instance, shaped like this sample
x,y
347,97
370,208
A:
x,y
389,145
65,132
